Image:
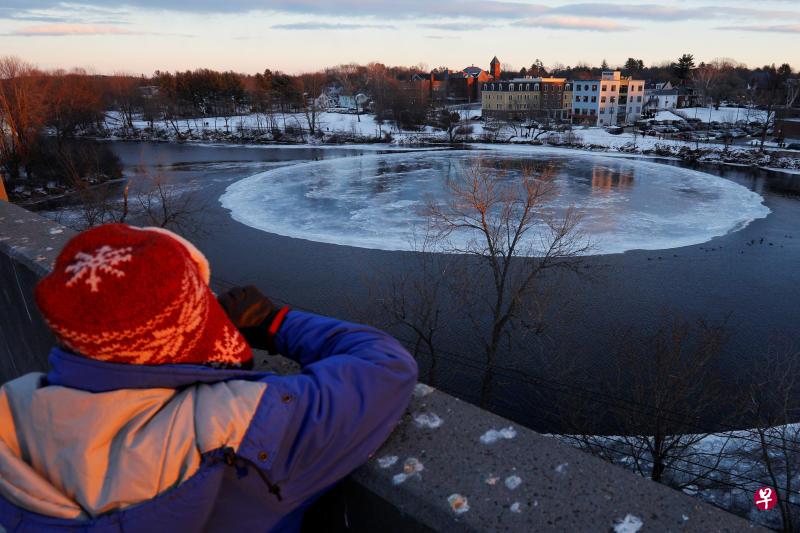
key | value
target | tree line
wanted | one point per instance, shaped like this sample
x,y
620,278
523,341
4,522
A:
x,y
40,111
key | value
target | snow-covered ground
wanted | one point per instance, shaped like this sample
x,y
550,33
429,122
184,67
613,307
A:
x,y
723,114
350,128
601,137
327,122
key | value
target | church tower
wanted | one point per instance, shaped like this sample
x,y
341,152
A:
x,y
494,68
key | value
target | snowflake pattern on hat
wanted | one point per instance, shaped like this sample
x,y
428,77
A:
x,y
104,259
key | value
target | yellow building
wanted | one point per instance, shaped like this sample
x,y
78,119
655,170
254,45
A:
x,y
521,98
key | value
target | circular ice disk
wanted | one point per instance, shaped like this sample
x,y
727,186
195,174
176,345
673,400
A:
x,y
377,201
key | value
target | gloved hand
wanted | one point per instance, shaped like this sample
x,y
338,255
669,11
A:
x,y
254,315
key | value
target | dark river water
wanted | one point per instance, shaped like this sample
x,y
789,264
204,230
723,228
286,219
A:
x,y
746,278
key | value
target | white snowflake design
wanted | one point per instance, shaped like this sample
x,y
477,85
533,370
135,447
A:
x,y
104,260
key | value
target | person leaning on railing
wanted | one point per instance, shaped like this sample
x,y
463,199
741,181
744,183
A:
x,y
150,417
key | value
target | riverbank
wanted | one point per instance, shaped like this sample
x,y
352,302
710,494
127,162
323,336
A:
x,y
338,129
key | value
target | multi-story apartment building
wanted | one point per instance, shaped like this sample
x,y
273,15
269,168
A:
x,y
527,98
611,100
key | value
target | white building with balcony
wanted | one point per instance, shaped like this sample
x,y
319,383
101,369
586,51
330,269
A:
x,y
610,101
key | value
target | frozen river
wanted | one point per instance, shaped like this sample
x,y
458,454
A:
x,y
378,201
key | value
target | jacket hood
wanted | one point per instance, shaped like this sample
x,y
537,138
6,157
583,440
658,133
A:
x,y
84,441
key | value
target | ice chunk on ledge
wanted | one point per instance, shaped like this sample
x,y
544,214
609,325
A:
x,y
493,435
375,201
629,524
427,420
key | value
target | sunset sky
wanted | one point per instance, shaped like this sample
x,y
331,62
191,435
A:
x,y
141,36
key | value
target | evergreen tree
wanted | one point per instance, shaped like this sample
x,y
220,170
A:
x,y
683,68
634,65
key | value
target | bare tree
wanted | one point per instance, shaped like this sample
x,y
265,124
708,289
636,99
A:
x,y
666,384
313,85
501,223
351,77
769,92
125,96
792,91
97,202
144,200
73,102
165,205
773,449
413,302
22,113
451,122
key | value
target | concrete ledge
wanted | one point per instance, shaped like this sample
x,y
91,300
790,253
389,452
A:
x,y
444,457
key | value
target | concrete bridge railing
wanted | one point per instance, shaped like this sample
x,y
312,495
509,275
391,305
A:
x,y
449,466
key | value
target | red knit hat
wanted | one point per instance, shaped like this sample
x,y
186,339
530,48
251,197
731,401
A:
x,y
139,296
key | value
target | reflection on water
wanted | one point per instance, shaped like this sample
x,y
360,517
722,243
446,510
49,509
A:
x,y
604,178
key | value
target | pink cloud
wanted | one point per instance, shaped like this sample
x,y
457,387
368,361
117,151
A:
x,y
72,29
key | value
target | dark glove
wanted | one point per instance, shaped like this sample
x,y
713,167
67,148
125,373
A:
x,y
254,315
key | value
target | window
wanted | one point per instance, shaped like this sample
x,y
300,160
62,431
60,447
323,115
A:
x,y
591,112
585,98
594,87
484,86
536,87
613,88
638,98
511,87
641,87
527,86
605,88
602,110
638,109
577,98
594,99
613,99
603,99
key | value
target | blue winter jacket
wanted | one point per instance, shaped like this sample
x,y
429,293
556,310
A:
x,y
96,446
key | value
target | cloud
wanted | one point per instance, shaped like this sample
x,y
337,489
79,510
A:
x,y
329,26
766,28
574,23
52,30
661,12
447,12
455,26
361,8
67,14
638,12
